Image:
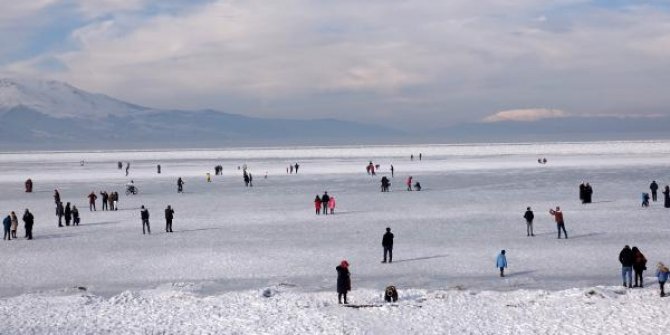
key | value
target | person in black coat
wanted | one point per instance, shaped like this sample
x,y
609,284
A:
x,y
75,216
144,214
7,224
588,193
324,202
385,184
105,197
169,215
343,281
666,196
28,221
529,216
582,190
180,185
627,258
639,265
654,189
68,214
60,213
387,244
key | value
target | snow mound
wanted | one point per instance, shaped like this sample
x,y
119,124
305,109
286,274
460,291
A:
x,y
595,310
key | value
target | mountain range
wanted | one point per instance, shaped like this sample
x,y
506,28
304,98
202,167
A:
x,y
53,115
36,114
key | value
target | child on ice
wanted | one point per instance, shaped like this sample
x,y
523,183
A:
x,y
331,205
662,273
501,263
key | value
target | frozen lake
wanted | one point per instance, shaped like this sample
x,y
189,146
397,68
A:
x,y
231,238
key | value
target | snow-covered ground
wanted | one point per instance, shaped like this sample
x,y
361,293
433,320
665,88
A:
x,y
231,242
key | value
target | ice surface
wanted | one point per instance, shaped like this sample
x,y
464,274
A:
x,y
229,239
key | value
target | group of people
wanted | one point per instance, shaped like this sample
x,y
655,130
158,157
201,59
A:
x,y
67,212
529,216
417,185
144,216
344,276
11,225
634,263
632,260
292,168
653,187
109,200
585,193
120,166
324,204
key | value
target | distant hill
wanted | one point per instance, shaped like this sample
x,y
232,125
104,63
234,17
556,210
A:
x,y
54,115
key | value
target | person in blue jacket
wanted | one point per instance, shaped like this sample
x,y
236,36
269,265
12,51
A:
x,y
501,263
662,274
7,224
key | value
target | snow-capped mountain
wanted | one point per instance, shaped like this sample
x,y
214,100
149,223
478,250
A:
x,y
61,100
37,114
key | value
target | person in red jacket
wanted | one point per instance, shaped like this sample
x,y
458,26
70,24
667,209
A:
x,y
560,224
409,183
317,204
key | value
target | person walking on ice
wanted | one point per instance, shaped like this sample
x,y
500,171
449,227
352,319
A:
x,y
662,273
387,244
560,224
325,198
529,216
169,215
627,258
501,263
409,183
144,214
180,185
343,281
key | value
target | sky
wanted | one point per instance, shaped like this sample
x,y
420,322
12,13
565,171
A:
x,y
400,64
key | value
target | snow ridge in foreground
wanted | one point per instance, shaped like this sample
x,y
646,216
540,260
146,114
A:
x,y
180,309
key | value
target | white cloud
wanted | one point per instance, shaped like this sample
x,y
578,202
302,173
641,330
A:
x,y
95,8
526,115
413,62
16,10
